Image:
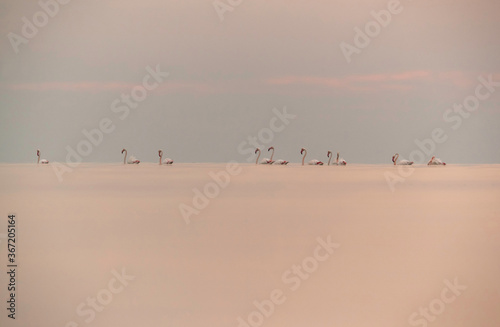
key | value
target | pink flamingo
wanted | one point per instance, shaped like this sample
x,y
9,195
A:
x,y
277,162
312,162
435,161
402,162
341,161
131,159
43,161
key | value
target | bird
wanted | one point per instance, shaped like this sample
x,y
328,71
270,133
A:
x,y
341,161
435,161
329,156
312,162
167,161
277,162
264,161
402,162
131,159
43,161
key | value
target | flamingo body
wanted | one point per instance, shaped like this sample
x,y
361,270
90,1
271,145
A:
x,y
405,162
41,161
131,160
402,162
436,161
166,161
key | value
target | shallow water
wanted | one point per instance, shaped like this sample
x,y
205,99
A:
x,y
397,246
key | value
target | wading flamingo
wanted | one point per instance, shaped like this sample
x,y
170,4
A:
x,y
435,161
312,162
277,162
341,161
402,162
167,161
264,161
43,161
131,159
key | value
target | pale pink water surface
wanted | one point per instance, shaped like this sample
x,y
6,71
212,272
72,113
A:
x,y
396,250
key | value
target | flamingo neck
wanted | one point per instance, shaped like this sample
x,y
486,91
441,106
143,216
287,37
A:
x,y
272,155
125,158
329,158
258,156
304,157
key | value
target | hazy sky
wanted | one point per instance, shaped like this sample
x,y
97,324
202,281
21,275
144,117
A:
x,y
226,76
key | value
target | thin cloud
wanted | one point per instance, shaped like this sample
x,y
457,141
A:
x,y
68,86
403,81
369,83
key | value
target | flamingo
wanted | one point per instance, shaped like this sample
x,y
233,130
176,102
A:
x,y
277,162
402,162
131,159
43,161
341,161
264,161
312,162
435,161
167,161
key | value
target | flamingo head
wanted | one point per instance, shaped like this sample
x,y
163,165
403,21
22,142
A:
x,y
328,154
394,157
302,150
123,150
257,150
160,153
270,148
